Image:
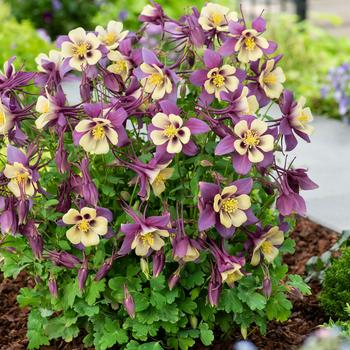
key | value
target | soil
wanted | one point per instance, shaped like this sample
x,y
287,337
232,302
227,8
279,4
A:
x,y
311,239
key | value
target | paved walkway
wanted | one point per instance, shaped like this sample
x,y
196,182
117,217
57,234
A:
x,y
328,160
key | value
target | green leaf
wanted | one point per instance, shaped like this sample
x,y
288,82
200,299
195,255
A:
x,y
151,346
35,333
107,333
288,246
256,301
229,301
278,307
206,334
28,297
70,291
158,283
83,309
188,306
193,279
94,290
296,281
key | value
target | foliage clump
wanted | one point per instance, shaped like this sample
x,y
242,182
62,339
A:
x,y
336,287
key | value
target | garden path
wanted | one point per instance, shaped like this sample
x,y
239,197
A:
x,y
328,158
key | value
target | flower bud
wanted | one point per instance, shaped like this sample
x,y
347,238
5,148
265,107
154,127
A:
x,y
35,240
104,269
158,262
206,163
129,302
63,259
267,287
22,210
53,287
83,274
193,321
214,288
145,267
125,195
174,278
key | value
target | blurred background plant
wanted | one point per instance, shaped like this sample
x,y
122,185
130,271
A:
x,y
311,53
338,88
19,39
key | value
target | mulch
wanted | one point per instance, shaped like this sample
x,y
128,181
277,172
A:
x,y
311,239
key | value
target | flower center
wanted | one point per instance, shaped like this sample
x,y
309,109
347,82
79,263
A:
x,y
156,79
251,139
229,205
110,38
147,239
119,67
249,43
217,19
170,131
2,118
303,118
270,79
84,225
159,179
218,80
266,248
81,49
98,132
21,178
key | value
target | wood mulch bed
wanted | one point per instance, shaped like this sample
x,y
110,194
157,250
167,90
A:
x,y
311,239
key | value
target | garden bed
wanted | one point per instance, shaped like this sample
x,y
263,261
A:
x,y
311,239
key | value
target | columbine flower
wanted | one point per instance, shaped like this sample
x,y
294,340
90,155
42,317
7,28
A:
x,y
266,246
129,302
251,143
296,119
22,177
88,227
249,43
145,235
48,63
82,49
155,79
250,46
120,64
228,266
113,35
218,78
290,183
169,130
226,209
47,109
152,13
6,119
95,134
158,184
185,249
215,16
271,79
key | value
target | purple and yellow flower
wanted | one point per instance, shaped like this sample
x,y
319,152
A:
x,y
218,78
120,64
145,235
216,17
154,77
251,143
266,246
81,49
7,119
271,79
295,120
112,35
103,128
248,43
88,226
170,131
48,63
48,110
23,179
229,267
225,209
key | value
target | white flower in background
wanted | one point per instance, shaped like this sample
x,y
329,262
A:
x,y
55,57
214,16
271,80
112,35
6,119
88,227
82,49
120,64
301,117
